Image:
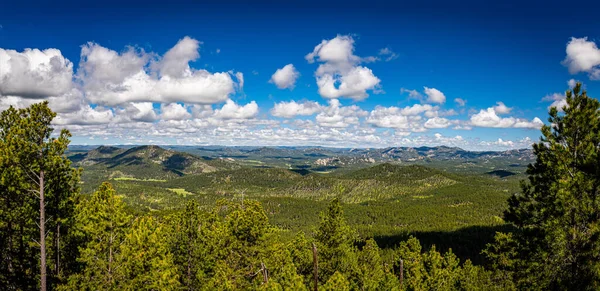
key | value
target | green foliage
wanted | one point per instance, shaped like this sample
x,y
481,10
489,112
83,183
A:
x,y
145,262
371,266
102,223
337,282
432,270
335,243
28,149
557,215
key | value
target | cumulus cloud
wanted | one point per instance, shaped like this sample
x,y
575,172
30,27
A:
x,y
175,62
68,102
490,118
571,83
500,108
339,74
417,109
87,115
293,108
434,95
336,115
138,111
583,56
174,111
285,78
394,117
437,122
231,110
112,78
35,73
559,101
201,111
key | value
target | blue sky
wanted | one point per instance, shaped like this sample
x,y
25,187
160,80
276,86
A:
x,y
172,74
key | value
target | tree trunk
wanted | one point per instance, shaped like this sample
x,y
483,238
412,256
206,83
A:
x,y
58,249
42,234
401,275
316,266
110,255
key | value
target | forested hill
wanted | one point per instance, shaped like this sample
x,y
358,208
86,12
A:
x,y
143,162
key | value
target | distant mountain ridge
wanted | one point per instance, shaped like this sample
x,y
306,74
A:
x,y
181,160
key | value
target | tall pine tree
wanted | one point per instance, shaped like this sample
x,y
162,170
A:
x,y
557,242
37,189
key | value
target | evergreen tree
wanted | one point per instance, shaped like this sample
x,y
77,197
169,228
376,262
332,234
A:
x,y
145,262
102,221
37,189
371,266
557,242
186,243
337,282
335,244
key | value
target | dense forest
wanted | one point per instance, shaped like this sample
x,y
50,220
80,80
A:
x,y
59,233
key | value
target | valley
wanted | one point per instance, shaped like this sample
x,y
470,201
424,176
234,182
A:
x,y
445,196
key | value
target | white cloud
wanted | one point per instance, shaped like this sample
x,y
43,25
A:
x,y
406,119
336,115
85,116
507,143
572,83
559,101
434,95
292,109
388,54
437,122
583,56
285,78
489,118
417,109
174,111
353,84
240,78
201,111
339,74
175,62
138,111
112,78
500,108
68,102
411,93
231,110
535,123
34,73
460,102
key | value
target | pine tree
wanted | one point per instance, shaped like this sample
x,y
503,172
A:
x,y
557,215
102,221
186,243
335,244
371,266
337,282
145,262
38,187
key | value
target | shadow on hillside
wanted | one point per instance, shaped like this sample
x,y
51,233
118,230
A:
x,y
501,173
466,243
